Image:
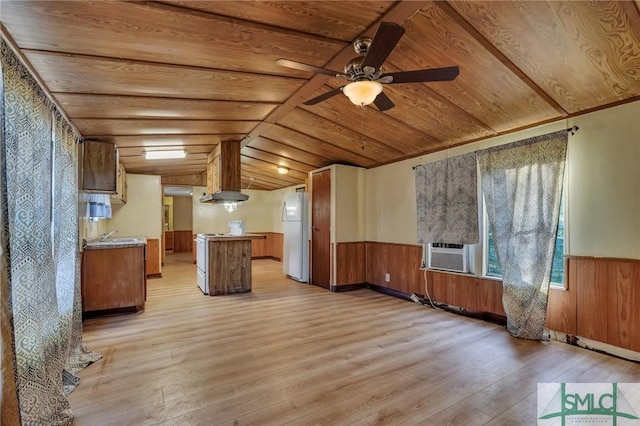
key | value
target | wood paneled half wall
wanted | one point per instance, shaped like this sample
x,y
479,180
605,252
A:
x,y
601,301
182,241
268,248
152,261
350,263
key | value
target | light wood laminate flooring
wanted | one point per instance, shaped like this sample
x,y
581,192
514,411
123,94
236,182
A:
x,y
291,353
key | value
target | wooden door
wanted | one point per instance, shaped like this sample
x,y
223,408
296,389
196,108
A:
x,y
320,229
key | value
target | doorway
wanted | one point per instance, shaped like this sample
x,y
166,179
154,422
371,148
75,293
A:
x,y
178,219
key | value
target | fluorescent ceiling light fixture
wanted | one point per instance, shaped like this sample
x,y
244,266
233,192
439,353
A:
x,y
283,170
363,92
164,155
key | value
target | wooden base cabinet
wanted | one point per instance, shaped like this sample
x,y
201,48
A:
x,y
229,266
113,278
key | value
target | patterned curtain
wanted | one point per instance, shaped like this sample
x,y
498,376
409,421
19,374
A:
x,y
65,234
522,186
447,201
39,171
9,409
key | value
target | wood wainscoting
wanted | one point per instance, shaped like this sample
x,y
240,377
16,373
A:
x,y
402,263
182,241
275,241
153,258
268,248
466,292
260,248
601,301
350,264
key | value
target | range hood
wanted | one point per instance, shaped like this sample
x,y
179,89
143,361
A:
x,y
224,175
224,197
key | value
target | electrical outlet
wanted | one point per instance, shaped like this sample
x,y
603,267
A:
x,y
387,278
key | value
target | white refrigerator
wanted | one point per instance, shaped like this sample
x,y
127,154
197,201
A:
x,y
295,262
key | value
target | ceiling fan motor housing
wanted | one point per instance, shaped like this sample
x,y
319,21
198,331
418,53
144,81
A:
x,y
356,72
361,45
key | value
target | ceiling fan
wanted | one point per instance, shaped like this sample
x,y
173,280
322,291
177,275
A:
x,y
365,71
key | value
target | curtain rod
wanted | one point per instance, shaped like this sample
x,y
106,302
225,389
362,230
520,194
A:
x,y
571,130
14,46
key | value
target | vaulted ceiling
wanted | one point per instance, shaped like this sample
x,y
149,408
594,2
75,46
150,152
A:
x,y
189,74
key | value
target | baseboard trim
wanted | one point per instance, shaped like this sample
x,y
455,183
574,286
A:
x,y
347,287
277,259
388,291
483,316
151,276
113,311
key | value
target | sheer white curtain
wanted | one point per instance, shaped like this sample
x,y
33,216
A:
x,y
522,187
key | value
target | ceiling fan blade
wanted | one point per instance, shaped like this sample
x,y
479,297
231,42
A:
x,y
324,96
419,76
304,67
383,102
386,38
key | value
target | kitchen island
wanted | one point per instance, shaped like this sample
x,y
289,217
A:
x,y
224,263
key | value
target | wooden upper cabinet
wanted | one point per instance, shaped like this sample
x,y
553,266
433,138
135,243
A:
x,y
223,168
120,197
99,167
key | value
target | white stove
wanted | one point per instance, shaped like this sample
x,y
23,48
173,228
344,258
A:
x,y
202,258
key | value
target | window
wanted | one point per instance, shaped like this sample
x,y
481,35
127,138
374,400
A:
x,y
492,266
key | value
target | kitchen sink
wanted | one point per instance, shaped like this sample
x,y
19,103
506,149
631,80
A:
x,y
128,240
119,241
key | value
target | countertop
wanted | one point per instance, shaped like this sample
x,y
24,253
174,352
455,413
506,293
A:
x,y
228,237
125,242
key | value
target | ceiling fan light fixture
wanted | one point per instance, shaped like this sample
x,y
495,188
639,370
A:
x,y
283,170
164,155
362,92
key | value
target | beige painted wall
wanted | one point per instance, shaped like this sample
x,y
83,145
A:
x,y
348,192
261,212
89,229
182,213
142,214
603,184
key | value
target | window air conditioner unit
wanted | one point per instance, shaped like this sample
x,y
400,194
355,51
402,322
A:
x,y
449,257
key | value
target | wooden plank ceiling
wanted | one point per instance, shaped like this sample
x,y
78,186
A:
x,y
159,75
